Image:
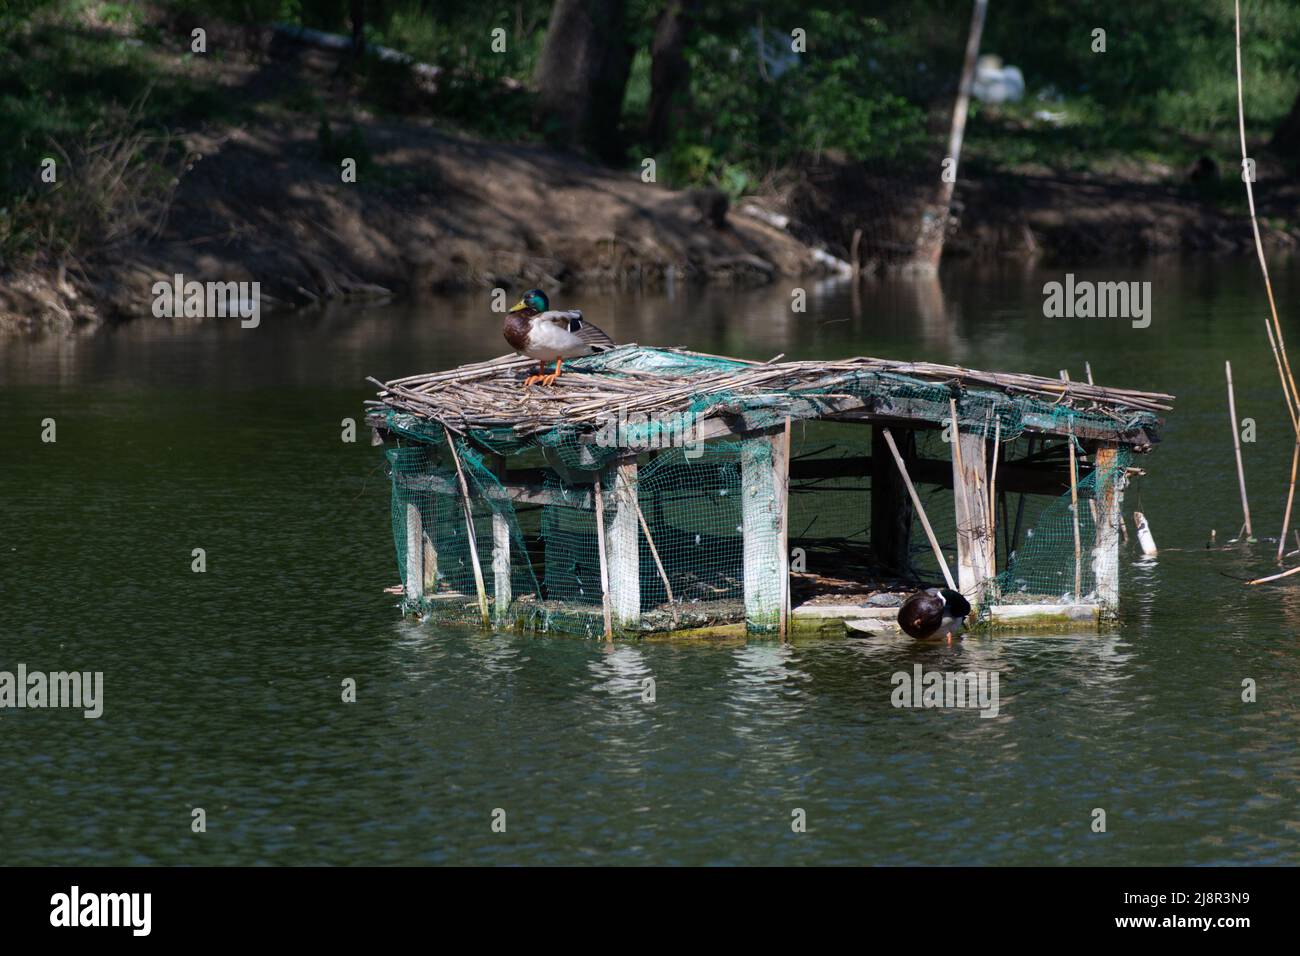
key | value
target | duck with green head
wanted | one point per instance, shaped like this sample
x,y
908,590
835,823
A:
x,y
534,329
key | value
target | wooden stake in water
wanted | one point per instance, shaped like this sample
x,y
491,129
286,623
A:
x,y
1236,447
1275,339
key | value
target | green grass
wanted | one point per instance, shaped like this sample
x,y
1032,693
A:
x,y
65,86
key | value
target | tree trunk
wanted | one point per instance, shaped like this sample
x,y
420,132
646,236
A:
x,y
357,12
669,71
934,220
582,76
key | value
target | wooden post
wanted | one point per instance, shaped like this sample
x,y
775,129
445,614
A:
x,y
1074,516
993,495
920,509
891,507
501,594
975,552
414,552
608,613
783,502
622,543
762,467
1105,552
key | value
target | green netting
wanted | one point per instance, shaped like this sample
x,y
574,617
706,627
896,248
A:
x,y
428,512
688,527
691,534
1043,568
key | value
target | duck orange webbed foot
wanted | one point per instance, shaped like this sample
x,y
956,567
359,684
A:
x,y
533,380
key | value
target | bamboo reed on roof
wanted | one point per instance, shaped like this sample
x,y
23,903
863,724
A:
x,y
489,395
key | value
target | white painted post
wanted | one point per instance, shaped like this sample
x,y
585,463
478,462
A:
x,y
766,565
622,545
414,552
502,595
975,547
1105,552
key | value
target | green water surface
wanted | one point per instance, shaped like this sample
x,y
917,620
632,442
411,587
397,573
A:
x,y
222,689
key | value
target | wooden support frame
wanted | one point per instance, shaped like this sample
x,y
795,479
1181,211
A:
x,y
976,556
527,485
899,413
622,543
1105,552
766,565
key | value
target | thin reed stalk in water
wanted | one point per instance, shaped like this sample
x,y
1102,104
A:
x,y
1275,338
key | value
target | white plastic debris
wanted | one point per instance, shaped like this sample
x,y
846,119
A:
x,y
1147,542
995,83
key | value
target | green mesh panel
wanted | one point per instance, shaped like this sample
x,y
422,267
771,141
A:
x,y
692,506
1042,568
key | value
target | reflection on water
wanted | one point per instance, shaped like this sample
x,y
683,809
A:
x,y
223,689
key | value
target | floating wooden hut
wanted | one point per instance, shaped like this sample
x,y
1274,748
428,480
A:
x,y
664,491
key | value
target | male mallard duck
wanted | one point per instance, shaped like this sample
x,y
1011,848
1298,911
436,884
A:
x,y
935,613
534,330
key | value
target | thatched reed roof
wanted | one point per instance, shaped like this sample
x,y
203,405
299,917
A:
x,y
735,395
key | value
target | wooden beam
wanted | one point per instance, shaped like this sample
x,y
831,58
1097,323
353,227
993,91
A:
x,y
762,461
1105,553
526,485
745,421
622,543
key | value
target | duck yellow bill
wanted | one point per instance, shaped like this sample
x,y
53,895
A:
x,y
518,306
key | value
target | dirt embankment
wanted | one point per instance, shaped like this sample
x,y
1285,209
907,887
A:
x,y
264,200
1036,213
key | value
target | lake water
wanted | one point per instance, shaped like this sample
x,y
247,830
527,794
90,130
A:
x,y
222,689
